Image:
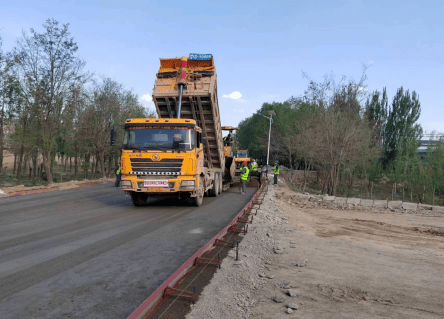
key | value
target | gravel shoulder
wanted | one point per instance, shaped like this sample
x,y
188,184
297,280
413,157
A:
x,y
335,263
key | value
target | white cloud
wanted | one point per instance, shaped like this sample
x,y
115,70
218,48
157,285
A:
x,y
147,100
147,97
236,95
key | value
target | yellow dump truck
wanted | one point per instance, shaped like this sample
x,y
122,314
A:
x,y
180,153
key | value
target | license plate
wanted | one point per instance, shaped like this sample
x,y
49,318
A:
x,y
158,183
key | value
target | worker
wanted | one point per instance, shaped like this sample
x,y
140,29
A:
x,y
253,166
227,140
118,176
276,172
244,176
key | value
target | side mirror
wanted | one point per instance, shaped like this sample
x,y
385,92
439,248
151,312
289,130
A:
x,y
113,137
203,138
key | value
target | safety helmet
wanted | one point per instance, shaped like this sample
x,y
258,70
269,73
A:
x,y
276,161
244,163
252,159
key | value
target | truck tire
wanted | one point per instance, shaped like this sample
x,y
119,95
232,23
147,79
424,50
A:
x,y
221,184
215,190
197,201
139,199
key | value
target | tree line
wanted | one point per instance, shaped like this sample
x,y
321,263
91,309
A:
x,y
51,106
349,137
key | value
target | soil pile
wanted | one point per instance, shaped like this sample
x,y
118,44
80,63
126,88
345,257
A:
x,y
22,189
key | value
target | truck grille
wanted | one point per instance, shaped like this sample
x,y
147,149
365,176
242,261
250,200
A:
x,y
155,173
146,166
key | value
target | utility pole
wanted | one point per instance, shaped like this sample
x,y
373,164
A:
x,y
270,118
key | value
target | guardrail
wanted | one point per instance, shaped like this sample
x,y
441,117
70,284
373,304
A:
x,y
169,287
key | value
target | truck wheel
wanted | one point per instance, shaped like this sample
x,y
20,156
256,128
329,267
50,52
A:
x,y
197,201
139,199
215,190
221,184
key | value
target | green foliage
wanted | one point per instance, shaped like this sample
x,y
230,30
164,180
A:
x,y
289,120
431,171
49,70
250,130
401,127
376,109
54,107
375,170
85,166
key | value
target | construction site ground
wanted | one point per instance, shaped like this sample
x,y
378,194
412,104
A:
x,y
303,260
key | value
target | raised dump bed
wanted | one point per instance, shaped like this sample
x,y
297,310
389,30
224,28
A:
x,y
199,100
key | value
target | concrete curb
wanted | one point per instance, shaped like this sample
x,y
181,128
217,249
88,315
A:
x,y
369,203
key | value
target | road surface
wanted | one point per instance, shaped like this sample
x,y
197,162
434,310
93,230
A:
x,y
88,253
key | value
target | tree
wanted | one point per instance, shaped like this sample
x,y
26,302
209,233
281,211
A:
x,y
336,136
48,69
433,167
374,172
8,95
248,136
336,140
376,113
109,104
401,124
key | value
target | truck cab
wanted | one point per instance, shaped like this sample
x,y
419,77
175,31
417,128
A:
x,y
160,157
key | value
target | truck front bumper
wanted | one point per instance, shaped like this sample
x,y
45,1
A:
x,y
179,184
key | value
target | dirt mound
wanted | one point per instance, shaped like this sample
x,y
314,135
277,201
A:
x,y
22,189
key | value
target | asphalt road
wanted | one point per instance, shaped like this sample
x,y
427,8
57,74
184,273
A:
x,y
88,253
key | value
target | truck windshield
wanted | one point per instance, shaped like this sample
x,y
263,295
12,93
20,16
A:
x,y
242,154
159,138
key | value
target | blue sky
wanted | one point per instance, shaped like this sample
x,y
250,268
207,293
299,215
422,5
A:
x,y
260,47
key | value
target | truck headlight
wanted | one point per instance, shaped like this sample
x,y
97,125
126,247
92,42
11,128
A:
x,y
187,184
125,184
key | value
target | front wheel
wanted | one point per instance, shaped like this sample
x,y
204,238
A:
x,y
197,201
